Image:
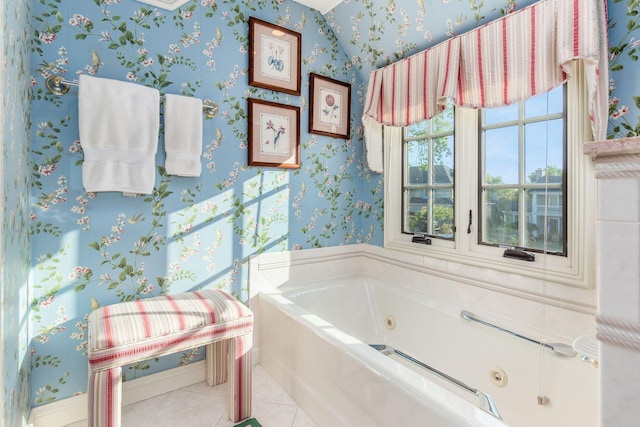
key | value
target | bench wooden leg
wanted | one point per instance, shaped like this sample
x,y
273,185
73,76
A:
x,y
105,397
240,377
216,363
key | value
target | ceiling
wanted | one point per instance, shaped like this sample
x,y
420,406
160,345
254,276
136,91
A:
x,y
165,4
323,6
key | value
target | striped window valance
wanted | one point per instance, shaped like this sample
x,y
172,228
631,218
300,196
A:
x,y
505,61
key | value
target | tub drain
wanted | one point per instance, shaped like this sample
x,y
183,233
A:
x,y
390,322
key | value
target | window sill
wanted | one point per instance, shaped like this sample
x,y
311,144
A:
x,y
532,280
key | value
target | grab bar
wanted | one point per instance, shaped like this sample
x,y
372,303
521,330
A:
x,y
485,401
562,349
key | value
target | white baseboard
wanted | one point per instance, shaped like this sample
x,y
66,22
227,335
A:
x,y
74,409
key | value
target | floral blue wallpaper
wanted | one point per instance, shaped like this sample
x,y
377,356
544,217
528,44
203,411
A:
x,y
94,249
15,242
624,50
67,251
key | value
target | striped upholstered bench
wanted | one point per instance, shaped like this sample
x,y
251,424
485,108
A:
x,y
130,332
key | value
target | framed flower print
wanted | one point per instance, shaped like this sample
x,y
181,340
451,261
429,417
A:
x,y
330,109
274,134
274,57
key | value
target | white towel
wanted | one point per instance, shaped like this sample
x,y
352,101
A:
x,y
119,123
183,135
373,143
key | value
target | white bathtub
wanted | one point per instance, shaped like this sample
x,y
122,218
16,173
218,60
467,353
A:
x,y
315,340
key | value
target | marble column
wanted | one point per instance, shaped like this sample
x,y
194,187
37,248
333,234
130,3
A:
x,y
617,169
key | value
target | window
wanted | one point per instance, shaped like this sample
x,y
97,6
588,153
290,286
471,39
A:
x,y
522,170
474,191
428,182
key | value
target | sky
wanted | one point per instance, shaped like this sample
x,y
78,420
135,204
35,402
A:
x,y
543,140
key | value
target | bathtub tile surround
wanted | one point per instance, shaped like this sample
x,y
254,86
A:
x,y
618,321
556,317
548,319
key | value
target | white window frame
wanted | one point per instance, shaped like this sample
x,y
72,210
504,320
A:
x,y
466,258
430,186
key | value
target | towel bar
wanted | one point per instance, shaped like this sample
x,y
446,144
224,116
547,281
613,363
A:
x,y
58,85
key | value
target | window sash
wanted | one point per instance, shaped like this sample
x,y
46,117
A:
x,y
523,188
429,187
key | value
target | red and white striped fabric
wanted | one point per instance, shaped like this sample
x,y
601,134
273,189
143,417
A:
x,y
586,39
105,397
508,60
130,332
531,52
407,91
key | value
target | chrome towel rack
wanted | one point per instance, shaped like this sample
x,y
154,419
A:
x,y
559,348
58,85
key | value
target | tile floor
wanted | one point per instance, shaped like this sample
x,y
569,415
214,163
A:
x,y
201,405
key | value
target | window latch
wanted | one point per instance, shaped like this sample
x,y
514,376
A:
x,y
470,221
519,254
421,238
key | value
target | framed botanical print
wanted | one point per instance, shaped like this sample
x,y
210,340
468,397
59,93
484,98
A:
x,y
274,134
274,57
330,109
